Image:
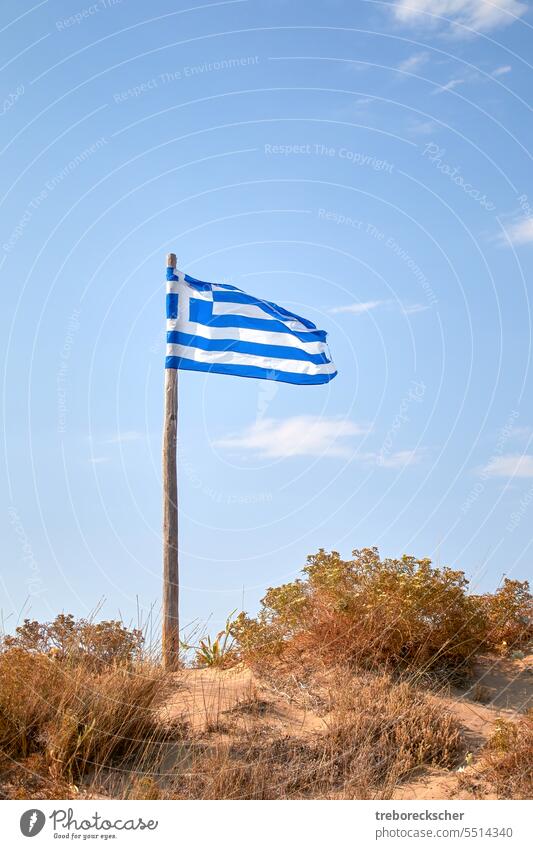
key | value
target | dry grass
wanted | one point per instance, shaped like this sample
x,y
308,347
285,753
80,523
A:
x,y
508,765
377,732
74,720
358,647
66,730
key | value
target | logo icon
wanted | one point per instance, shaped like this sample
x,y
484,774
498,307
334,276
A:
x,y
32,822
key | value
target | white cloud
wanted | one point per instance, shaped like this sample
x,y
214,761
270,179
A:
x,y
449,86
416,60
480,15
359,307
519,232
510,465
299,436
392,459
412,309
96,460
124,436
399,459
522,432
423,128
503,69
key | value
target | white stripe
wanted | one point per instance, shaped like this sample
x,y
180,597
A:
x,y
253,311
246,310
245,334
233,358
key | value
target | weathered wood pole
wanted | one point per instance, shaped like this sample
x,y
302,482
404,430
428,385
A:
x,y
170,639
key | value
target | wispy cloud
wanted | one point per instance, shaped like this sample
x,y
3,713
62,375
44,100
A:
x,y
422,128
412,309
97,460
400,459
522,432
123,436
518,232
362,307
393,459
479,15
510,466
359,307
298,436
449,86
416,60
503,69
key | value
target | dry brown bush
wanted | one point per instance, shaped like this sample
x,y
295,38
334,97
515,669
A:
x,y
508,765
370,612
508,616
76,719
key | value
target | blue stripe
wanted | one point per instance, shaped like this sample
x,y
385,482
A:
x,y
172,305
238,297
201,284
249,371
284,352
197,284
201,313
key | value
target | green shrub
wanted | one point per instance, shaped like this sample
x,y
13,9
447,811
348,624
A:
x,y
368,611
98,644
508,615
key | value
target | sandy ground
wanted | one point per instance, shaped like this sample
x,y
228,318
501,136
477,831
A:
x,y
501,688
204,697
507,690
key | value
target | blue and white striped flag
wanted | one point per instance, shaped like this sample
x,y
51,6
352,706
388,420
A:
x,y
216,327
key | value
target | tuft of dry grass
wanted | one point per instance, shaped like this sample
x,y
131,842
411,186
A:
x,y
75,718
508,764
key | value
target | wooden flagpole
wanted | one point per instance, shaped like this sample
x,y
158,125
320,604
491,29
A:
x,y
170,640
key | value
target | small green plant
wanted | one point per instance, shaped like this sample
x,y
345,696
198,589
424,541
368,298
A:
x,y
219,653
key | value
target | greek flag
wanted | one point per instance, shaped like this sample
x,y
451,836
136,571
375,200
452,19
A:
x,y
219,328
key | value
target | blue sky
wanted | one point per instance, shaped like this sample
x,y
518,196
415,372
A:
x,y
365,164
